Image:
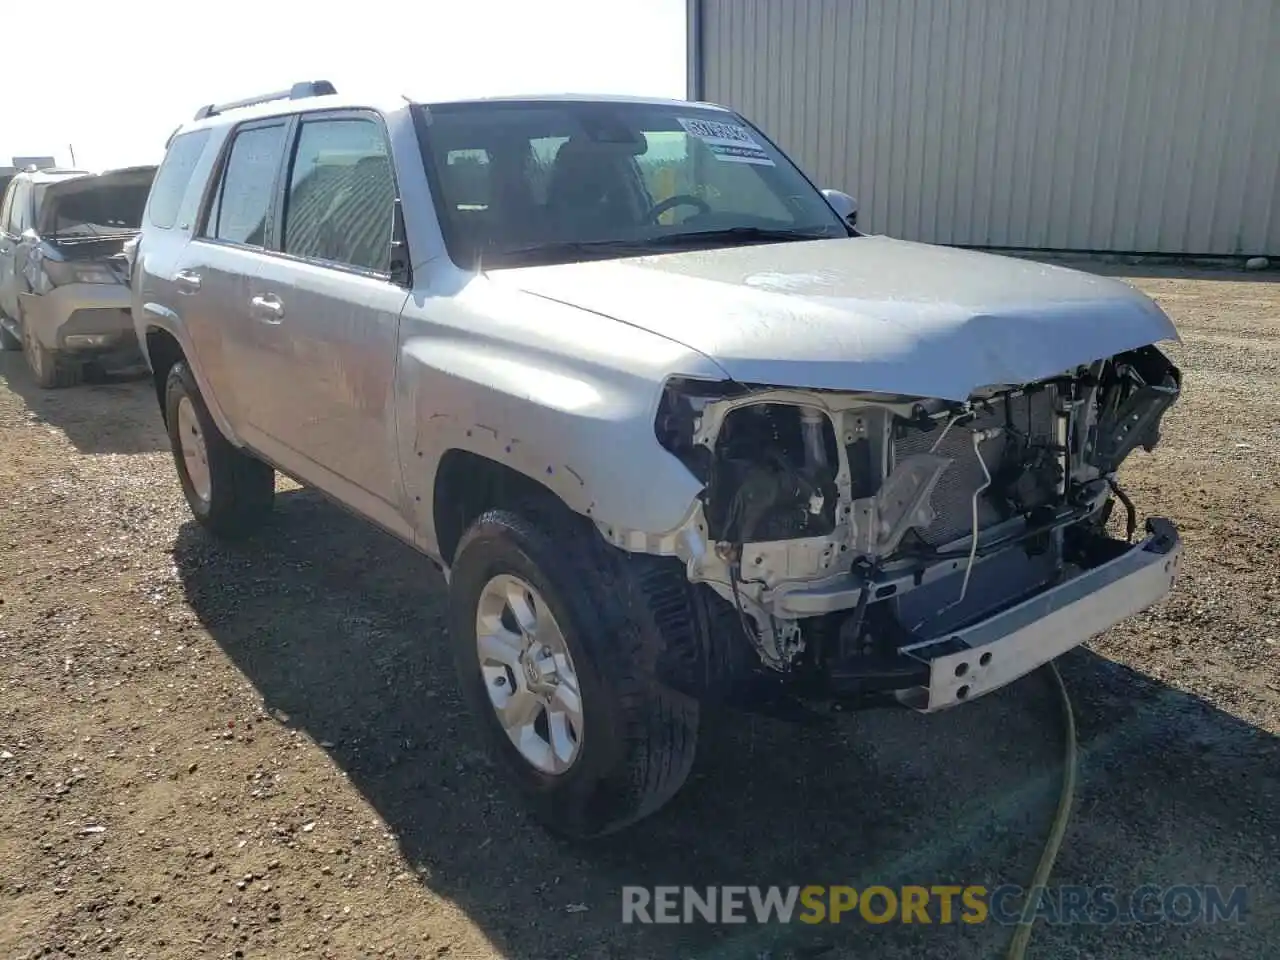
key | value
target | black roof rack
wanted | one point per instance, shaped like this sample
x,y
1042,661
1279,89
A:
x,y
299,91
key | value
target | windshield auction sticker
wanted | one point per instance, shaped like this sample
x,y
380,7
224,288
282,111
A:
x,y
727,141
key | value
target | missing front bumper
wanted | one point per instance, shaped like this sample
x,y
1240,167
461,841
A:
x,y
80,310
965,664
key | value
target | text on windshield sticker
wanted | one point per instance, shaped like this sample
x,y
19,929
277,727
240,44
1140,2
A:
x,y
727,141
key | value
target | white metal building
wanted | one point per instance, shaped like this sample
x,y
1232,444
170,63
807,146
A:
x,y
1136,126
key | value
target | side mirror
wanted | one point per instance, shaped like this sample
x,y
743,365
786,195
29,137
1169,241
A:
x,y
843,204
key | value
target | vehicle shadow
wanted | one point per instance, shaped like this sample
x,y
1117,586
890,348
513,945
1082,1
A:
x,y
341,629
108,413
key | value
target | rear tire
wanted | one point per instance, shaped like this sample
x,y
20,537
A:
x,y
230,493
638,736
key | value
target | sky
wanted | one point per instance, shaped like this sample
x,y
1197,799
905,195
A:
x,y
149,69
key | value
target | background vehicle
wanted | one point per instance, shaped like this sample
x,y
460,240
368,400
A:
x,y
676,431
64,297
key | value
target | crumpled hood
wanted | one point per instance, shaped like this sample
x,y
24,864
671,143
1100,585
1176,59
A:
x,y
868,313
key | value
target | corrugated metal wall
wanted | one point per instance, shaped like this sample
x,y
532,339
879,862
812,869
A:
x,y
1120,125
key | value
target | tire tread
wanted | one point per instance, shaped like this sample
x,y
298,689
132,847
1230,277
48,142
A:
x,y
659,724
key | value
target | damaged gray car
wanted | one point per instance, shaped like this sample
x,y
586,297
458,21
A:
x,y
677,432
64,276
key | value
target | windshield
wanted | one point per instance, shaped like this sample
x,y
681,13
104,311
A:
x,y
555,181
110,209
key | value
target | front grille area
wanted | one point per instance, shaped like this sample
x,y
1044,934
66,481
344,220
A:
x,y
953,496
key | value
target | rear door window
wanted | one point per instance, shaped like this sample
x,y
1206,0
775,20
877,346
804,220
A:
x,y
241,208
173,178
341,202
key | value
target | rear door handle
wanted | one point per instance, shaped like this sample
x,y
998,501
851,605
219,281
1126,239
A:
x,y
267,308
187,281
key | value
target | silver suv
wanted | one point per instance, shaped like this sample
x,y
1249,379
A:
x,y
677,432
64,293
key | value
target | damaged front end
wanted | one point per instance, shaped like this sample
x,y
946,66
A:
x,y
76,275
872,547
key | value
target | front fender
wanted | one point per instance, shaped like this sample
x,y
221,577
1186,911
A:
x,y
151,316
586,434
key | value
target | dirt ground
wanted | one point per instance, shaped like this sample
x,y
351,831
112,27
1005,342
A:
x,y
258,751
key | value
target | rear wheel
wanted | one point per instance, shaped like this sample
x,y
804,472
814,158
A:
x,y
555,657
229,492
50,368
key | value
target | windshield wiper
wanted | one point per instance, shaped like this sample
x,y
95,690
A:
x,y
641,245
568,248
748,234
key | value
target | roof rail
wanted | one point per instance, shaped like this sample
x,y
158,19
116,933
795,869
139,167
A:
x,y
299,91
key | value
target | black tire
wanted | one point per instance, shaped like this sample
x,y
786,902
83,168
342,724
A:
x,y
241,487
52,370
639,736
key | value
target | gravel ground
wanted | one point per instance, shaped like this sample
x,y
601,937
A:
x,y
259,751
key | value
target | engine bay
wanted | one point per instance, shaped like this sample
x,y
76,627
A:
x,y
843,525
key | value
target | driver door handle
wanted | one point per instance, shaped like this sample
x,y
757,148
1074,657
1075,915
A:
x,y
187,281
267,308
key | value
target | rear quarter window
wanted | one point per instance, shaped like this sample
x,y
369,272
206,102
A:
x,y
173,178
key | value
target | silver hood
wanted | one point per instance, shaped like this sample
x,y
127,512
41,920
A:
x,y
868,313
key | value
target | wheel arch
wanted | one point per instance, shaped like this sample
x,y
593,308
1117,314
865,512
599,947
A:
x,y
467,484
163,351
164,345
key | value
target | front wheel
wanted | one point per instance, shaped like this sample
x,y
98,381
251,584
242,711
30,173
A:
x,y
50,368
230,492
551,653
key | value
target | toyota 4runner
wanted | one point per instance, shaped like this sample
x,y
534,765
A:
x,y
676,431
64,293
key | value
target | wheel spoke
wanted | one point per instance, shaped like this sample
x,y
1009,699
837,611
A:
x,y
500,646
536,750
564,667
519,711
564,739
548,632
567,700
529,673
518,603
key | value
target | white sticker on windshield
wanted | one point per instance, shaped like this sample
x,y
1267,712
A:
x,y
727,141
